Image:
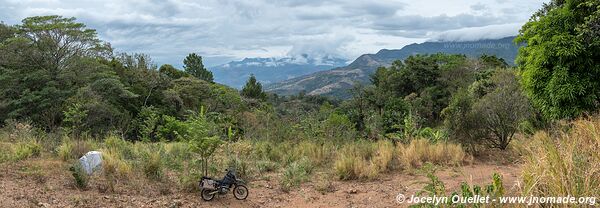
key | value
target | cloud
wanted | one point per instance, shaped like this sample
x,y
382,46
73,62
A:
x,y
479,33
224,30
416,25
479,7
318,47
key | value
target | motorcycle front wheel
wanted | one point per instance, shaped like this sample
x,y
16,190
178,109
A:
x,y
207,195
240,192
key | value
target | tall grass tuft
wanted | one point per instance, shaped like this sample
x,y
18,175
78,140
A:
x,y
296,173
421,151
153,167
354,161
565,164
26,150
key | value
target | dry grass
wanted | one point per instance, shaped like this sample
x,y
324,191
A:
x,y
364,160
421,151
384,155
566,164
115,166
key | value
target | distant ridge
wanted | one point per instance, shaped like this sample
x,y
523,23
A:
x,y
336,82
270,70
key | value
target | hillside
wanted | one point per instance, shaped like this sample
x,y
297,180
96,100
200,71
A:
x,y
336,82
271,70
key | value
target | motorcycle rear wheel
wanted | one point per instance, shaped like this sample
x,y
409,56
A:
x,y
207,195
240,192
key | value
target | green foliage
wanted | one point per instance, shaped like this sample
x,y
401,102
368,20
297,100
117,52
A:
x,y
338,127
172,72
26,150
253,89
74,117
296,173
434,187
44,50
81,178
148,123
560,64
490,116
172,129
193,65
153,166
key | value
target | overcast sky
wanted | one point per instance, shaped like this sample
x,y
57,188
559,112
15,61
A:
x,y
225,30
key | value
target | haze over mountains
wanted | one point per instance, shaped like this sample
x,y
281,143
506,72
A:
x,y
336,82
271,70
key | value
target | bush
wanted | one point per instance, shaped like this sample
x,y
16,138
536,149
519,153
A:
x,y
81,178
189,181
434,187
6,152
264,166
152,166
177,154
26,150
119,147
113,166
70,149
240,166
296,173
317,153
564,164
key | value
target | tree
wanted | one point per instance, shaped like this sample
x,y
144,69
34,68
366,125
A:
x,y
37,63
491,119
59,40
201,139
171,71
193,65
501,111
253,89
560,63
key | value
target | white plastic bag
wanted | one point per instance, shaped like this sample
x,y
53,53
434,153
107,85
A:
x,y
91,161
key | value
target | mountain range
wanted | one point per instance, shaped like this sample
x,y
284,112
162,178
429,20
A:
x,y
272,70
337,81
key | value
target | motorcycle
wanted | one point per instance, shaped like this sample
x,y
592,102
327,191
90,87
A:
x,y
210,187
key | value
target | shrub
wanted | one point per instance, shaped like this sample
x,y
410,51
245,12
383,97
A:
x,y
296,173
240,166
176,155
70,149
434,187
26,150
172,129
119,146
189,181
566,165
324,184
152,166
6,152
317,153
265,150
81,178
65,150
113,166
20,131
264,166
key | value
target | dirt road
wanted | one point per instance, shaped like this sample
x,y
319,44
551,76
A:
x,y
38,183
